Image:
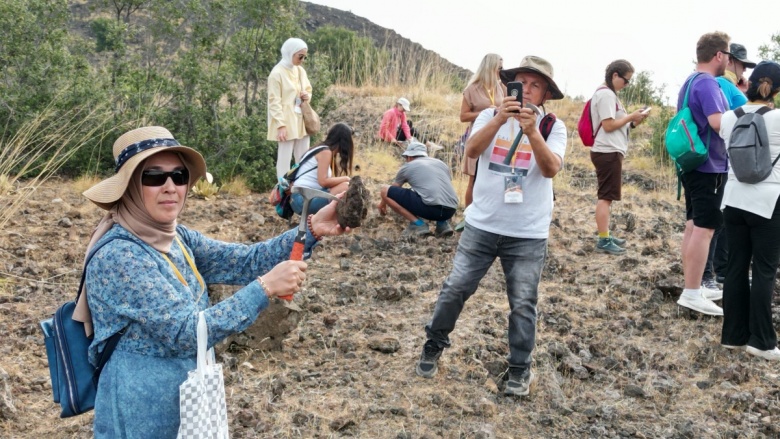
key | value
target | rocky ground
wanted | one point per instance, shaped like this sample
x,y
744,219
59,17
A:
x,y
615,356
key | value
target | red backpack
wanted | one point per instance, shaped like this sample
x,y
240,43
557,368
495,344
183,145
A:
x,y
585,125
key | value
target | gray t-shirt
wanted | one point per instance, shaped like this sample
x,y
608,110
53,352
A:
x,y
606,105
430,178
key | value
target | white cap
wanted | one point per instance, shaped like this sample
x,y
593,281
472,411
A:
x,y
404,103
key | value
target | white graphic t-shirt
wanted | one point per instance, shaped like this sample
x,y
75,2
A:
x,y
502,172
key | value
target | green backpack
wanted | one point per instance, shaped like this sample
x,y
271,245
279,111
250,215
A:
x,y
682,137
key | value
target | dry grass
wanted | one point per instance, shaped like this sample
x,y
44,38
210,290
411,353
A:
x,y
43,144
236,187
84,182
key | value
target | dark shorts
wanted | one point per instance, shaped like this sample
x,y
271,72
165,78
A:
x,y
609,173
703,195
412,201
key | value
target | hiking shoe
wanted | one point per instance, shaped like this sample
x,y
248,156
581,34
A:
x,y
460,226
519,382
619,241
415,230
607,245
700,304
429,360
720,279
443,229
772,354
710,290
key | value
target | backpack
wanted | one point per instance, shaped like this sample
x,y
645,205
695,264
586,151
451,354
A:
x,y
585,124
683,143
73,379
281,196
749,147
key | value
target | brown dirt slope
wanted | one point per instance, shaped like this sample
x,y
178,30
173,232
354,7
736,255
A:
x,y
615,356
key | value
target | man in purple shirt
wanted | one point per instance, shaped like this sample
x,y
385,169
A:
x,y
704,185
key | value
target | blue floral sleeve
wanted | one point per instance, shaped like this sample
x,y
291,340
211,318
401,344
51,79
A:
x,y
131,286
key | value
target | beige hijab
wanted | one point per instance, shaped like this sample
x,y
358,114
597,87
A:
x,y
130,213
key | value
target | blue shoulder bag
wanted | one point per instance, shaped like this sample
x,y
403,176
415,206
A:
x,y
73,379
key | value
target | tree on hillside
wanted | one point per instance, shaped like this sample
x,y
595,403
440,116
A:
x,y
771,51
642,91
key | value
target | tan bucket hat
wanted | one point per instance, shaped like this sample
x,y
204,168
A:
x,y
132,148
538,65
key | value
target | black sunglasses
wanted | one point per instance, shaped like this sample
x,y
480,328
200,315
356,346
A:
x,y
623,78
154,177
303,57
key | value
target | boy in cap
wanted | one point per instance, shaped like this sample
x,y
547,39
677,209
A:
x,y
431,197
503,221
395,128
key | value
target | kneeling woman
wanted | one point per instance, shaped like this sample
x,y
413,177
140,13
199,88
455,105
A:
x,y
329,170
149,281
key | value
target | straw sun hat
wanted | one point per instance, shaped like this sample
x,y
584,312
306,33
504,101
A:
x,y
132,148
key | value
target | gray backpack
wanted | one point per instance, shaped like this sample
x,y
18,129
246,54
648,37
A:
x,y
749,147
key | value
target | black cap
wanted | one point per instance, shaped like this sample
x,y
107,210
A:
x,y
766,69
739,53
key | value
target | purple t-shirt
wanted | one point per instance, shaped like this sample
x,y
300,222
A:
x,y
706,98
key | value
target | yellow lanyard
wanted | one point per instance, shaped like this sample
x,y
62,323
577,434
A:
x,y
192,265
491,95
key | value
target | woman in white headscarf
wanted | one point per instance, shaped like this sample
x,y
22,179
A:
x,y
288,86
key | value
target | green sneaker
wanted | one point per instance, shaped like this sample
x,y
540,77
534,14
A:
x,y
460,226
607,245
619,241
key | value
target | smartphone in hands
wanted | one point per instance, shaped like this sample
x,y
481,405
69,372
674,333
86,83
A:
x,y
515,88
646,110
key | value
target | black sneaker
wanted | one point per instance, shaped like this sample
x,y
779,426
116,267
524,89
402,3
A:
x,y
519,382
428,364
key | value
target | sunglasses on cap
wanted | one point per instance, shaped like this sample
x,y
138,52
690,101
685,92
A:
x,y
154,177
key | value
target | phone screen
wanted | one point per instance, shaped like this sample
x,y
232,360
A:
x,y
515,88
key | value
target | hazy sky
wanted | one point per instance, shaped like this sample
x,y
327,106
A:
x,y
579,37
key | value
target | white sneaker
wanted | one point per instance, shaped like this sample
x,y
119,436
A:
x,y
700,304
710,290
773,354
735,347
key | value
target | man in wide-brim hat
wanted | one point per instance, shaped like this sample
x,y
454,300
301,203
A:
x,y
509,218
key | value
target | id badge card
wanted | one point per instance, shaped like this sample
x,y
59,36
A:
x,y
513,189
297,108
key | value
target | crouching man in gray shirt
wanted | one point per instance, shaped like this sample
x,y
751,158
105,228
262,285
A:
x,y
431,197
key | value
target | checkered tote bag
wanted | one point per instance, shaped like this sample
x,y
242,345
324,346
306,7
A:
x,y
202,396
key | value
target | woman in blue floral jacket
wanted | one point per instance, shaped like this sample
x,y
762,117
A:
x,y
150,279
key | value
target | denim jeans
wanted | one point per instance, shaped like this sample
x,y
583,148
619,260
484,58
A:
x,y
314,205
717,258
522,261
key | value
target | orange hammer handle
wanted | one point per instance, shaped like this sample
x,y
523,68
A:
x,y
296,255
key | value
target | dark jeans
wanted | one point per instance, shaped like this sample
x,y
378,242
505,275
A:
x,y
718,256
522,261
412,201
747,306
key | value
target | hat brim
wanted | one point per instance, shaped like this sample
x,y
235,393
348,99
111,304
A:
x,y
414,154
509,76
106,193
747,63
